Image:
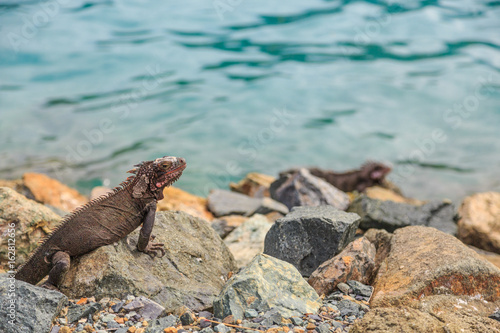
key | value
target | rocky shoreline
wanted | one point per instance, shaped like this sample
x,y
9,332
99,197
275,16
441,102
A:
x,y
270,255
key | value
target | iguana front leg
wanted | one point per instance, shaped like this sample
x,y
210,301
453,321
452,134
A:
x,y
144,243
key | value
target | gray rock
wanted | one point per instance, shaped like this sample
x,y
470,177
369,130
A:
x,y
495,315
124,330
274,316
112,325
390,215
76,312
251,313
221,227
161,323
34,309
360,289
247,240
149,310
190,274
221,328
108,317
343,287
187,318
264,284
308,236
134,305
268,205
222,202
323,328
300,188
348,308
207,330
297,321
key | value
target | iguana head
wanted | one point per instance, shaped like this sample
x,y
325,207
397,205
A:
x,y
151,177
375,171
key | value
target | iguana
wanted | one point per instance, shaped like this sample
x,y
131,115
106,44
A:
x,y
104,221
370,174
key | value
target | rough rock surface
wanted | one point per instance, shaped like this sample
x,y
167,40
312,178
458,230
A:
x,y
300,188
247,240
191,273
52,192
308,236
264,284
222,202
382,241
424,261
479,223
391,215
35,307
33,222
254,185
177,199
355,262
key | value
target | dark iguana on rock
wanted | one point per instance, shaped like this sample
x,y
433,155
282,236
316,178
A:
x,y
104,221
370,174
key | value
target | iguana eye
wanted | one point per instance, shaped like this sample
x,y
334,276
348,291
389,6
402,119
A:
x,y
166,165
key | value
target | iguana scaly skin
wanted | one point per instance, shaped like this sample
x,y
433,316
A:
x,y
104,221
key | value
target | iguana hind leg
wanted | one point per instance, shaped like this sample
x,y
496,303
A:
x,y
60,266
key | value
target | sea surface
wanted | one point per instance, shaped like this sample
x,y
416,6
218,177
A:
x,y
90,88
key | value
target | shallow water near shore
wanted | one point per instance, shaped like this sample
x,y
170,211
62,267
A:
x,y
87,89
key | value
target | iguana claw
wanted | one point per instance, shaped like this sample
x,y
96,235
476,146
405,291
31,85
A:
x,y
153,248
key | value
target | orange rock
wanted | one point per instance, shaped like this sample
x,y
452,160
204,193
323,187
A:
x,y
120,320
177,199
424,261
254,184
82,300
170,330
479,223
384,194
132,329
355,262
50,191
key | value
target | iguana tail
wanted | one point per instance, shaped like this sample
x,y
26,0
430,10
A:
x,y
34,269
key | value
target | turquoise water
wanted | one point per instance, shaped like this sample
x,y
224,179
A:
x,y
87,89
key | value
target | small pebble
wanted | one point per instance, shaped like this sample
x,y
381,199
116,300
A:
x,y
251,313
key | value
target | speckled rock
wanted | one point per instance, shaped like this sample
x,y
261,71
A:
x,y
191,273
390,215
33,222
35,307
308,236
300,188
264,284
479,223
247,240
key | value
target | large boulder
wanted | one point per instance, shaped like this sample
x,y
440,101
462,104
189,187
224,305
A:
x,y
479,223
424,261
222,202
300,188
247,240
385,194
52,192
390,215
429,274
308,236
33,222
176,199
264,284
31,309
191,273
355,262
254,185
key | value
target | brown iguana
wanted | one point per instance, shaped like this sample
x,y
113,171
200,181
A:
x,y
104,221
370,174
